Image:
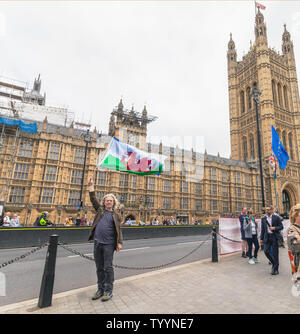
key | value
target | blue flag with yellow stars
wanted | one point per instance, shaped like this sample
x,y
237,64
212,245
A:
x,y
278,149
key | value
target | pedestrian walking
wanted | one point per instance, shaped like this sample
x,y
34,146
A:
x,y
250,230
244,241
107,236
271,226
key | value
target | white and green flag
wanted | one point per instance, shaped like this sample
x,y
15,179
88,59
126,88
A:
x,y
126,158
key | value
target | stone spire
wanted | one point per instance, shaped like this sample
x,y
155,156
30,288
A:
x,y
231,52
260,29
287,44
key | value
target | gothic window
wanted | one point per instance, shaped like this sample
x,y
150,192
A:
x,y
286,201
249,98
279,95
74,197
123,180
54,151
76,176
79,156
245,149
47,195
274,92
100,178
50,173
198,205
291,146
167,186
242,97
284,139
252,150
25,149
184,187
21,171
278,131
167,203
213,174
285,95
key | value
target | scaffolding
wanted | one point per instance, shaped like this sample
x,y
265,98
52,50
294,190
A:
x,y
9,142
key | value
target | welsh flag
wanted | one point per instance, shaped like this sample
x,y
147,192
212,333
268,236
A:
x,y
258,5
126,158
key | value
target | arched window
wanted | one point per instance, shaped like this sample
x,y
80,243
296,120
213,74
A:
x,y
291,146
274,92
279,94
242,97
285,95
249,98
252,150
284,139
286,201
245,149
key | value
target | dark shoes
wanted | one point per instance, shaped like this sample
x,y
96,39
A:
x,y
274,272
244,255
98,294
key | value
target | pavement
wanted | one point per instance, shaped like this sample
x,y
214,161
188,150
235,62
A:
x,y
230,286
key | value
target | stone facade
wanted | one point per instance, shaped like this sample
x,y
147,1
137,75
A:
x,y
276,77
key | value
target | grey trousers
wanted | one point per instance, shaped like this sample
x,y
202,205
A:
x,y
103,255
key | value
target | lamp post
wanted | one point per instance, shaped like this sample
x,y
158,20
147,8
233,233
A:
x,y
87,139
255,94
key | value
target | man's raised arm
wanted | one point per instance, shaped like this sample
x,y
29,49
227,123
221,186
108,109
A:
x,y
93,198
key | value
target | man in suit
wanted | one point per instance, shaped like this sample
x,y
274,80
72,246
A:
x,y
271,226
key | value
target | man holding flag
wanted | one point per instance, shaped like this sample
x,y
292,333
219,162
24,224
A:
x,y
107,235
106,229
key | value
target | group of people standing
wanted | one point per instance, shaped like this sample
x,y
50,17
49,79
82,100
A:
x,y
10,220
269,238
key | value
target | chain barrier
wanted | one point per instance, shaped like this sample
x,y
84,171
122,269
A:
x,y
135,268
228,238
71,250
21,257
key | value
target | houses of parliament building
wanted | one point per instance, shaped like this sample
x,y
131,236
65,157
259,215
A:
x,y
48,170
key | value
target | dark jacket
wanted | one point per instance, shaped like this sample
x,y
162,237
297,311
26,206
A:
x,y
276,222
241,219
99,212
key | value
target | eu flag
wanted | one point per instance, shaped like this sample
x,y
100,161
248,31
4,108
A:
x,y
278,149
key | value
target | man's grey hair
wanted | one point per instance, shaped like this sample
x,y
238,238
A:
x,y
116,205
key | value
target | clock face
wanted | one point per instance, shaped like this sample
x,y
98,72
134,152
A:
x,y
130,136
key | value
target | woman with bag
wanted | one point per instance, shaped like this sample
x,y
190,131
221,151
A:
x,y
250,228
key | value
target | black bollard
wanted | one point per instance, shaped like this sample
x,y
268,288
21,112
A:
x,y
214,255
45,298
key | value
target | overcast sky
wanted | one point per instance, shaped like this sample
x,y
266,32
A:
x,y
170,55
